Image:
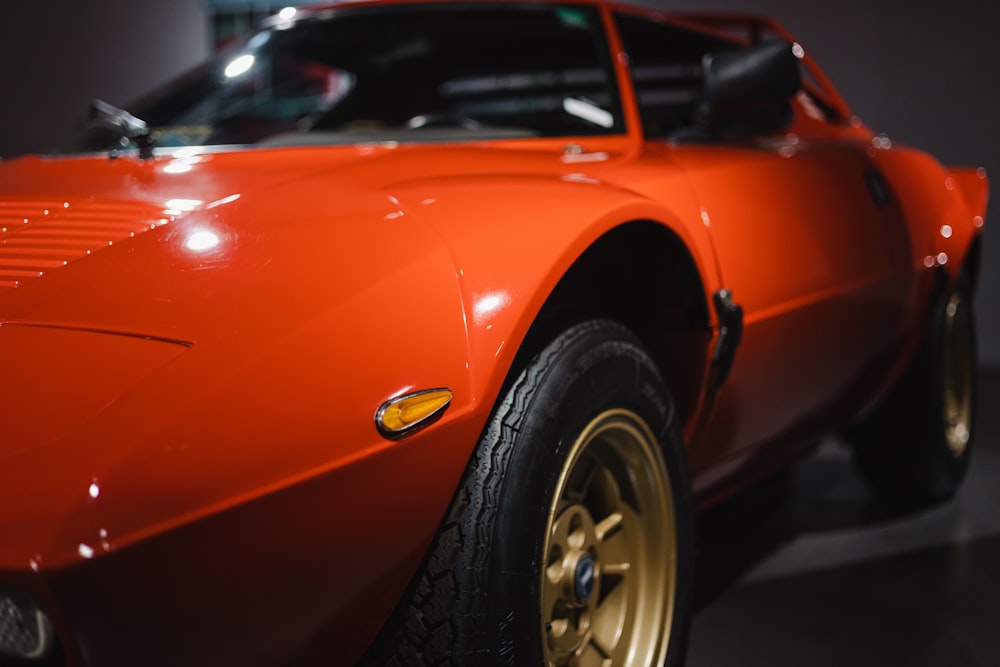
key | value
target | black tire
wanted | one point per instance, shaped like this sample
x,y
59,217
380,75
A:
x,y
915,447
574,519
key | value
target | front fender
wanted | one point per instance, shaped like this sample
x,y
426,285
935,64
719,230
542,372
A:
x,y
512,239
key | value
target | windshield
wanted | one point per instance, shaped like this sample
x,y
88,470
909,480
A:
x,y
399,73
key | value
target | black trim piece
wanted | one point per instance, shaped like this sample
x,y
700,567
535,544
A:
x,y
730,316
878,188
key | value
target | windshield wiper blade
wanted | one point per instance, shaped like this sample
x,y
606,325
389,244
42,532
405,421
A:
x,y
132,128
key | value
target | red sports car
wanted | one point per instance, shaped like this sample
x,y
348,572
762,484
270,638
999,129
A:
x,y
417,333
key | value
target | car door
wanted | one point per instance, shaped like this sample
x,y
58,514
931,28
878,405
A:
x,y
807,237
819,263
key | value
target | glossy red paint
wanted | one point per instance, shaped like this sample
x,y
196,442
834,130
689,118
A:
x,y
194,346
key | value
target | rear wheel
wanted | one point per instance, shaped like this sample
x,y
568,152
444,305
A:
x,y
916,446
569,541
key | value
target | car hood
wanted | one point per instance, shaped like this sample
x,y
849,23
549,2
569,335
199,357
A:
x,y
185,247
180,248
153,315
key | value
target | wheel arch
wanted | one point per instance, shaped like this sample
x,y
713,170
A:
x,y
642,275
973,260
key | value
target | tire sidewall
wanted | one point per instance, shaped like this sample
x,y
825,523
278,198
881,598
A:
x,y
603,367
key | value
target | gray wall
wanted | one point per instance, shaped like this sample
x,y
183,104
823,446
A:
x,y
923,72
56,56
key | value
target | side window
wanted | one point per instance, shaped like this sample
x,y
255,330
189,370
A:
x,y
665,62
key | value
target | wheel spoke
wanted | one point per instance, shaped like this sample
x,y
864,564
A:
x,y
615,569
606,488
618,545
610,619
560,535
591,654
553,586
600,649
609,526
583,478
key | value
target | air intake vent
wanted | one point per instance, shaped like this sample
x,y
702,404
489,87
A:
x,y
41,236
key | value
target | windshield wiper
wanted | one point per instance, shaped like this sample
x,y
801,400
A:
x,y
128,126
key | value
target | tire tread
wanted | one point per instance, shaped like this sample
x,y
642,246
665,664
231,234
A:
x,y
424,629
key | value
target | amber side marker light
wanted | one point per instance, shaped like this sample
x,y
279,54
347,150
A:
x,y
402,415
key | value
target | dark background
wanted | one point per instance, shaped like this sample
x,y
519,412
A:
x,y
925,73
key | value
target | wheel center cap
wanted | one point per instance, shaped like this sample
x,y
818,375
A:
x,y
584,578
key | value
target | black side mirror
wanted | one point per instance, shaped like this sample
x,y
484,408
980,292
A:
x,y
746,92
761,74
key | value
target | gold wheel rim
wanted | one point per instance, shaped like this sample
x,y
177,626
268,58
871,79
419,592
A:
x,y
610,557
958,374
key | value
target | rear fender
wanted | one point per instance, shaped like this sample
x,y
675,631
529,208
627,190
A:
x,y
944,207
972,185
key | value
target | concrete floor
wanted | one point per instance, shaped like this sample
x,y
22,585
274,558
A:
x,y
811,570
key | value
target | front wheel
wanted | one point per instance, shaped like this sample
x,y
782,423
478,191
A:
x,y
569,541
610,554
